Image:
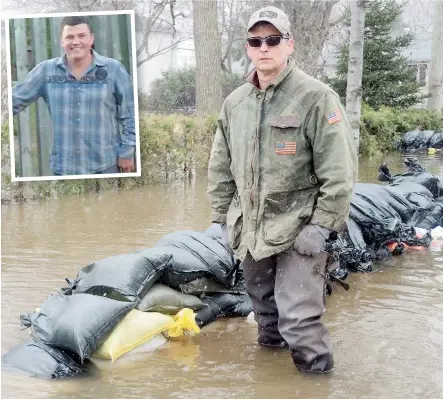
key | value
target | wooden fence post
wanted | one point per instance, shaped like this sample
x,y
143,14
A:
x,y
25,116
44,126
55,37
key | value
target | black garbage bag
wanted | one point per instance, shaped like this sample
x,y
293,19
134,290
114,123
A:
x,y
372,210
197,255
416,175
436,141
352,250
408,140
125,276
77,323
416,140
223,305
207,285
42,361
428,219
215,231
425,179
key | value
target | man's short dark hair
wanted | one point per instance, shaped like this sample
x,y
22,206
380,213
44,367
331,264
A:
x,y
75,20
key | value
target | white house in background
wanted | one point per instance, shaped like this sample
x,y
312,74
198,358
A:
x,y
183,55
179,56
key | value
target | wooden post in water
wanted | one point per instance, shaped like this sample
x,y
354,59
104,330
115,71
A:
x,y
44,138
25,116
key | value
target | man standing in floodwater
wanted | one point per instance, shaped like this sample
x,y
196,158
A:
x,y
89,97
281,173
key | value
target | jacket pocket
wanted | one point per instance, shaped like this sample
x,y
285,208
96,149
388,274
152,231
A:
x,y
234,221
285,214
286,122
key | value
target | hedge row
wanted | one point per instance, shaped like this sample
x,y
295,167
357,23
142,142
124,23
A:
x,y
177,146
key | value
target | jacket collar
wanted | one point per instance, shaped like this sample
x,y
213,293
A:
x,y
252,77
97,59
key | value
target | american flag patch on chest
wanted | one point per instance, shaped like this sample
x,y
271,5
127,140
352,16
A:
x,y
285,148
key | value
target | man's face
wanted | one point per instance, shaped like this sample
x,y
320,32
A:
x,y
268,58
77,41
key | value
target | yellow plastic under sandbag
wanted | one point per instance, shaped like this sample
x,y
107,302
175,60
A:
x,y
137,327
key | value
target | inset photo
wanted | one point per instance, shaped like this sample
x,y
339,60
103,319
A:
x,y
73,96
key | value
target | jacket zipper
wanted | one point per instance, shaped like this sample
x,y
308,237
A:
x,y
256,143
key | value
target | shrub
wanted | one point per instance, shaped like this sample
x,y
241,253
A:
x,y
176,146
381,130
175,91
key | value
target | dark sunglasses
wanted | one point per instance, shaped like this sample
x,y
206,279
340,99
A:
x,y
271,41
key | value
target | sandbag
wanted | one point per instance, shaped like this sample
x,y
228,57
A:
x,y
436,141
139,327
214,230
207,285
78,323
408,140
428,219
130,275
223,305
42,361
371,208
166,300
416,140
417,176
425,179
197,255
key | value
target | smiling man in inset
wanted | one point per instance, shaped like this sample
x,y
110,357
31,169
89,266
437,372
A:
x,y
281,173
91,101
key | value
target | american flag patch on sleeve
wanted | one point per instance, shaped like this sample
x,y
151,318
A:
x,y
333,117
285,148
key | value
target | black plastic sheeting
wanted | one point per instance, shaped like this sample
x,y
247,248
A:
x,y
419,140
197,255
42,361
76,323
384,214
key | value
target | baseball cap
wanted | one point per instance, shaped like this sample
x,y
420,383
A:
x,y
274,16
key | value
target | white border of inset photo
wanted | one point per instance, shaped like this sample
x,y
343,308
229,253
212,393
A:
x,y
135,88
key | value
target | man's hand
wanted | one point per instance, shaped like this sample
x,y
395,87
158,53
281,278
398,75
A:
x,y
125,164
311,240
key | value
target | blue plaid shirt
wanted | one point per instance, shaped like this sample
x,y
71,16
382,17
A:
x,y
86,114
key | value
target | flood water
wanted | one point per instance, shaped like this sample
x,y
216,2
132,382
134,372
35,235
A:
x,y
387,330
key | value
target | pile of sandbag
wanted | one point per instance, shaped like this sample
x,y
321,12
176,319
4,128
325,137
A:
x,y
419,140
114,305
387,219
189,279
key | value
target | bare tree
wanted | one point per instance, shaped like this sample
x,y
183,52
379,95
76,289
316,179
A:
x,y
152,18
310,20
435,101
207,55
310,23
355,67
156,17
232,15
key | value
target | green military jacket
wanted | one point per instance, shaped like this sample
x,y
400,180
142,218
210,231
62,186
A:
x,y
281,158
